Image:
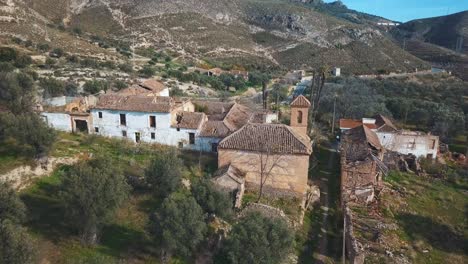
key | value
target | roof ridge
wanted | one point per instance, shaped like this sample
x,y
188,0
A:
x,y
297,135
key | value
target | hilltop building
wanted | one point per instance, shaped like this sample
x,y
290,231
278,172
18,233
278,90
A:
x,y
391,138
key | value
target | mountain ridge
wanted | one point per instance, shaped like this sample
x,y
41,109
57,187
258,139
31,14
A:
x,y
252,32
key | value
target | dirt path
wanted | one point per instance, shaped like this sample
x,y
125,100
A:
x,y
322,254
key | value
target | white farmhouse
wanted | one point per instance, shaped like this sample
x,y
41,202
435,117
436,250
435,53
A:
x,y
151,119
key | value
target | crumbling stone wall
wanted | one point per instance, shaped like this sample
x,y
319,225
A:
x,y
354,250
359,180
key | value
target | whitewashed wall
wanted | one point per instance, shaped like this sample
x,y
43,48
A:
x,y
418,145
59,121
204,143
164,92
109,125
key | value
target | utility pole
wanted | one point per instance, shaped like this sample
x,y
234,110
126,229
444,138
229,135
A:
x,y
334,112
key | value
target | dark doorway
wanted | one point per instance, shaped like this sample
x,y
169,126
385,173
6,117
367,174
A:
x,y
214,147
137,137
81,126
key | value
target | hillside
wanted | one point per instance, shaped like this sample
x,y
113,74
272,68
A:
x,y
435,40
443,31
255,33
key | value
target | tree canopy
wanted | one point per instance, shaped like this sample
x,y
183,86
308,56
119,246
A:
x,y
15,245
179,225
11,207
256,239
91,192
26,133
211,200
164,174
16,91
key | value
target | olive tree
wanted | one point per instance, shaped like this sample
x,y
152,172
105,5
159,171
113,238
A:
x,y
91,192
256,239
179,226
212,200
15,244
27,134
17,91
11,207
164,174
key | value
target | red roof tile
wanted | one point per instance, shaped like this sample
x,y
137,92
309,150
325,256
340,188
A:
x,y
274,138
300,101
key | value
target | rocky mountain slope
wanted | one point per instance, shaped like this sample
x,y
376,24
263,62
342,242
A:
x,y
444,31
268,33
442,41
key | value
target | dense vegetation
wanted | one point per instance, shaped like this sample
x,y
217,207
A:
x,y
427,103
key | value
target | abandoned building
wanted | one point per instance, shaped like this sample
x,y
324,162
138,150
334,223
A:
x,y
272,156
361,164
70,117
391,138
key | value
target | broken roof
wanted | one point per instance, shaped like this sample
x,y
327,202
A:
x,y
352,123
358,143
384,124
189,120
214,109
135,103
300,101
273,138
153,85
216,129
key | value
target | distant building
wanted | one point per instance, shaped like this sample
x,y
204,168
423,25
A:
x,y
215,72
393,139
336,72
388,24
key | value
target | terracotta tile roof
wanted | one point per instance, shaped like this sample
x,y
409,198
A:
x,y
237,117
216,71
358,144
214,109
351,123
274,138
135,103
300,101
134,90
189,120
363,133
215,129
384,124
153,85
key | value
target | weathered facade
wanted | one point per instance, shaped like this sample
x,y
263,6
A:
x,y
391,138
273,157
361,165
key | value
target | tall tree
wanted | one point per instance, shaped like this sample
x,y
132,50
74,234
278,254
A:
x,y
91,192
164,173
26,134
179,226
16,246
11,206
212,200
16,92
256,239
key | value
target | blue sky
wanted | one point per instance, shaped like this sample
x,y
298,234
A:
x,y
406,10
